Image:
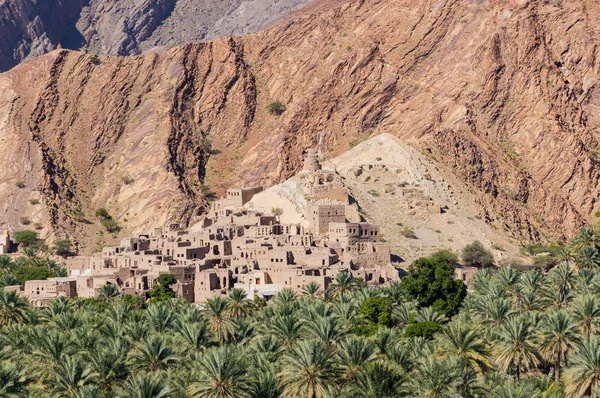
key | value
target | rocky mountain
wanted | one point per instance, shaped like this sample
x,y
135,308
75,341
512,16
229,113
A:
x,y
29,28
501,93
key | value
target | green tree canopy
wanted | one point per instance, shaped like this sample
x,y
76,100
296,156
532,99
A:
x,y
423,329
431,282
476,255
28,238
62,247
162,290
26,273
376,312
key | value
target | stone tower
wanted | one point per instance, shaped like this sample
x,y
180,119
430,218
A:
x,y
311,161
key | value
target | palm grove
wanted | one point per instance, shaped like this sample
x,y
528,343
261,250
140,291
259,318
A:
x,y
513,334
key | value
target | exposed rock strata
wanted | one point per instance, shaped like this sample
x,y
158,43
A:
x,y
126,27
504,94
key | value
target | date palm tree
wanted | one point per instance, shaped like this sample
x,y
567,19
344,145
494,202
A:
x,y
108,363
344,283
586,313
152,354
108,291
160,317
562,280
312,290
461,340
222,374
308,371
376,380
585,237
195,335
13,308
239,305
8,280
145,386
434,378
325,329
287,328
587,258
582,377
515,346
14,379
70,374
354,352
217,311
558,337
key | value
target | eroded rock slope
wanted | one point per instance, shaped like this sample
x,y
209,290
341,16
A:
x,y
29,28
503,93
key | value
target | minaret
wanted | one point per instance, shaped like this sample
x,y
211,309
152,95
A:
x,y
311,161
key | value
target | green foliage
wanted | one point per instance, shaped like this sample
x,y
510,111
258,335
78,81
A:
x,y
476,255
103,214
27,238
25,220
135,301
375,312
408,233
95,60
110,225
20,184
276,108
62,247
536,248
544,262
31,272
162,290
517,334
423,329
431,282
127,180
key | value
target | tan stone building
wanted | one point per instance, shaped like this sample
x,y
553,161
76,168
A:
x,y
232,246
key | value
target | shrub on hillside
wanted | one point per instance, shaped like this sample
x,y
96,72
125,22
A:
x,y
476,255
276,108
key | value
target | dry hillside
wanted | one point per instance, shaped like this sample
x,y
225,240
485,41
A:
x,y
503,93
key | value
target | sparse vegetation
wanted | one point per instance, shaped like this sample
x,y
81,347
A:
x,y
78,215
276,108
62,247
277,211
94,59
476,255
408,233
20,184
373,192
34,202
126,179
110,225
28,238
107,221
25,220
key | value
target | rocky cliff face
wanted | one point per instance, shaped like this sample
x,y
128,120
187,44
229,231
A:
x,y
502,93
29,28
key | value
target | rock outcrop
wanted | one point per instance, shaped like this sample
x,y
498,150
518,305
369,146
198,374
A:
x,y
30,28
502,93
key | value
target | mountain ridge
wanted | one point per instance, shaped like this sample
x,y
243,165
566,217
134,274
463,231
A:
x,y
485,88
